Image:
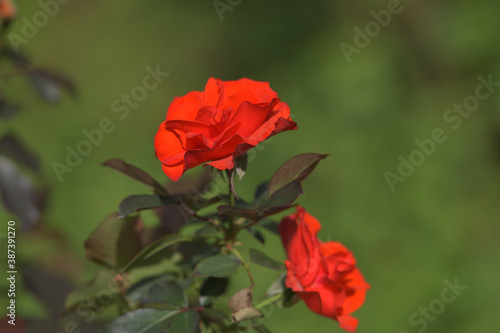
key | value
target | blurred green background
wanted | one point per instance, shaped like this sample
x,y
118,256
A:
x,y
440,224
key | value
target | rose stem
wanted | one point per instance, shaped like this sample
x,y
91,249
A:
x,y
269,300
245,264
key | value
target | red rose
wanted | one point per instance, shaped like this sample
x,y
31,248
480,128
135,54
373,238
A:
x,y
7,9
324,275
219,124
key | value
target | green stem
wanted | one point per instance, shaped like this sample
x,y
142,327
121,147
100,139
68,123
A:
x,y
214,222
231,194
269,300
245,264
231,230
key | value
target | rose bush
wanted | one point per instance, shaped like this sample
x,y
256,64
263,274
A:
x,y
324,275
219,124
186,269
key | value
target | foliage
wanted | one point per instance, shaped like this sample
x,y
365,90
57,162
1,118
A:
x,y
197,261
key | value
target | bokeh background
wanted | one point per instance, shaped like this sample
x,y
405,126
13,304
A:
x,y
441,224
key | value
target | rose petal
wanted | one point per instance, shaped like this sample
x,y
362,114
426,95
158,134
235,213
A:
x,y
251,117
324,275
302,246
197,142
246,90
214,92
228,134
291,280
284,125
174,172
331,248
168,146
186,107
356,297
196,157
310,221
188,126
219,124
272,126
223,163
348,323
312,300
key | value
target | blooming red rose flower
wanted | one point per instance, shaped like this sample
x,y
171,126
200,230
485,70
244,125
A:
x,y
7,9
219,124
324,275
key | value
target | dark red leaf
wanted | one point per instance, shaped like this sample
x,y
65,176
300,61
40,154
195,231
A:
x,y
136,173
295,169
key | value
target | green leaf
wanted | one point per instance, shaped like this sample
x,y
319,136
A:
x,y
212,288
261,191
135,203
137,174
44,85
11,146
295,169
153,249
282,198
18,194
290,298
195,251
101,289
168,241
115,241
166,262
263,259
7,109
219,265
256,234
207,229
185,322
278,287
48,84
167,292
155,321
270,225
139,291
